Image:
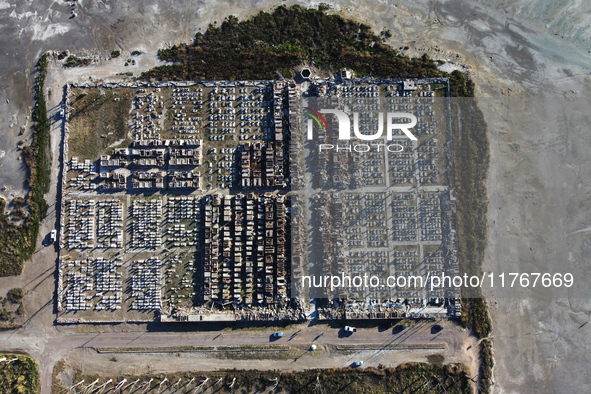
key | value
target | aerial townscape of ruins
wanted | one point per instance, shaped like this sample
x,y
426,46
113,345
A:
x,y
206,211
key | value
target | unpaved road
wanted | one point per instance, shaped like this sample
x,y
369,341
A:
x,y
66,342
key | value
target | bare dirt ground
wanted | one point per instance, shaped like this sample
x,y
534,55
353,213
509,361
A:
x,y
538,176
454,339
541,342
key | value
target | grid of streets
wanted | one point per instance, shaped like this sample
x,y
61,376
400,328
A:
x,y
378,208
191,211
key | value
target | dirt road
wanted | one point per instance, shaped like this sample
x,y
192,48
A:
x,y
452,343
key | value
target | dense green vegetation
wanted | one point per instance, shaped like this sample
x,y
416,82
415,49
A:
x,y
15,295
471,159
479,320
20,376
18,208
18,240
460,86
416,378
6,315
75,61
272,44
486,366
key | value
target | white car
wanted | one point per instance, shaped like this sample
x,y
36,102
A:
x,y
53,235
358,363
350,329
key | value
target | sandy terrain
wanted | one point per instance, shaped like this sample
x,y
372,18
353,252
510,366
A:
x,y
541,343
538,178
103,364
455,341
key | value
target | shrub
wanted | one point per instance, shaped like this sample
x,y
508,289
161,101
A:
x,y
15,295
75,61
20,376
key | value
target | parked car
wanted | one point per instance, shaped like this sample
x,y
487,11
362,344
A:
x,y
357,364
278,334
350,329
